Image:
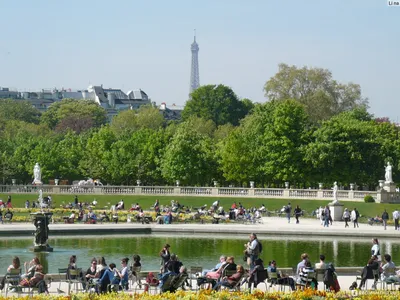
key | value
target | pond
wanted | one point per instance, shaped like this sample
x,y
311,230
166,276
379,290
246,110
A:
x,y
193,250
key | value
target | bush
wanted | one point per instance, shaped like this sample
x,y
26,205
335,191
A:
x,y
369,199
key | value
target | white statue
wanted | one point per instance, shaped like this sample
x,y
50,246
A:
x,y
335,189
388,173
37,174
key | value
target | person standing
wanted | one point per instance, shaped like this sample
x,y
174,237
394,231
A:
x,y
252,250
396,216
165,255
297,214
346,217
288,211
385,218
327,214
354,217
376,249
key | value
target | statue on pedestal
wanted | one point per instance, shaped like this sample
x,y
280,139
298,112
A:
x,y
41,222
388,173
335,190
37,174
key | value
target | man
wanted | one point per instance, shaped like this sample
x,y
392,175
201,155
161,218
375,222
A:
x,y
253,250
385,218
321,265
396,216
222,260
288,211
354,217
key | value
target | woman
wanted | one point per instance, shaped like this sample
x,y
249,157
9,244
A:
x,y
30,268
230,281
123,274
258,274
14,266
376,249
346,217
297,214
229,265
278,277
91,271
72,266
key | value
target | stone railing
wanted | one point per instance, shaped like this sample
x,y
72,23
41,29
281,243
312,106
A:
x,y
320,194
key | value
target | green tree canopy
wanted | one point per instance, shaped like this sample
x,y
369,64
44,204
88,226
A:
x,y
21,110
217,103
77,115
322,96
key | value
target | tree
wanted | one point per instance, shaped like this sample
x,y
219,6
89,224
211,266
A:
x,y
189,158
129,121
217,103
322,96
18,110
350,148
63,115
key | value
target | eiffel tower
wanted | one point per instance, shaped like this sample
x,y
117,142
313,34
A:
x,y
194,72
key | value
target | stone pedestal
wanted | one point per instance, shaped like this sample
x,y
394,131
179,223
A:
x,y
37,182
389,187
41,221
336,209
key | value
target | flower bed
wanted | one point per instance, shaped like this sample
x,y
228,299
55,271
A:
x,y
225,295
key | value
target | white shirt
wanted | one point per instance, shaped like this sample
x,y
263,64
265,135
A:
x,y
215,203
353,215
396,214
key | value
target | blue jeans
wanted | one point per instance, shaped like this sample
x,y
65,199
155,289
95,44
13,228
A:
x,y
326,221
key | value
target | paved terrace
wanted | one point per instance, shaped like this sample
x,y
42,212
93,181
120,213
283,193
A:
x,y
272,226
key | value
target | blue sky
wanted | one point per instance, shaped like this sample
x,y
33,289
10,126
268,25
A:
x,y
132,44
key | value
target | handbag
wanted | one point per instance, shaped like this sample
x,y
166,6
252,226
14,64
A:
x,y
24,282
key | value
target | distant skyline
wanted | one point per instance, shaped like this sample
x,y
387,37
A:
x,y
131,44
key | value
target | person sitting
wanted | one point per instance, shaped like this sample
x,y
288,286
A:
x,y
104,217
14,266
151,280
368,272
37,280
281,279
72,266
164,277
92,218
173,264
30,268
257,274
229,265
222,260
302,263
8,215
109,277
321,265
121,205
91,271
262,209
123,274
230,281
304,277
389,270
70,219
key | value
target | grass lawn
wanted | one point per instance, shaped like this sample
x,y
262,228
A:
x,y
365,209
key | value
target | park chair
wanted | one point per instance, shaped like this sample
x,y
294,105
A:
x,y
273,279
12,278
74,279
308,280
319,275
135,278
235,286
262,279
194,273
178,282
62,277
168,283
8,216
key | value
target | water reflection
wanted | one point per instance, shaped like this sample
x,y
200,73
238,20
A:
x,y
193,250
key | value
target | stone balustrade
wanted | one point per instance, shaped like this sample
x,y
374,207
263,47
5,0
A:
x,y
285,193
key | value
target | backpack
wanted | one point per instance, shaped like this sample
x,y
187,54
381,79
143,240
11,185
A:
x,y
260,247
